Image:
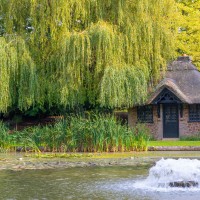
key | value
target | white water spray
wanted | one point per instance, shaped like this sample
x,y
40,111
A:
x,y
173,174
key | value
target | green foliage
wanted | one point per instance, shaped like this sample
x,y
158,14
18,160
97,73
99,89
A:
x,y
62,53
189,29
94,133
4,137
117,86
17,72
142,137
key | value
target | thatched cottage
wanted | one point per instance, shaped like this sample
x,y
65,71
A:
x,y
173,110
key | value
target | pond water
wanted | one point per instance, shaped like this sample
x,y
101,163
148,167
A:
x,y
114,182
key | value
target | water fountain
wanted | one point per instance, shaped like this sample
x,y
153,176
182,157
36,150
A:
x,y
175,179
172,173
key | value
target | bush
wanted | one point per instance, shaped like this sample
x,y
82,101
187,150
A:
x,y
195,137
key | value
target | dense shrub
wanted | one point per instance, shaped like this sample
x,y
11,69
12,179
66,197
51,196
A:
x,y
194,137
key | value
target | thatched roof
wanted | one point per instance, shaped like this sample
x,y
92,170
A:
x,y
182,79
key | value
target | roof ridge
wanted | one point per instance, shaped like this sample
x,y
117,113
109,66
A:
x,y
171,85
180,66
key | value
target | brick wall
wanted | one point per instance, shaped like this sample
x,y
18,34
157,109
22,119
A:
x,y
156,128
186,127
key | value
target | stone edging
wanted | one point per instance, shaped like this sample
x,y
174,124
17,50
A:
x,y
174,148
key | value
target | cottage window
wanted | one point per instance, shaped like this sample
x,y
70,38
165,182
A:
x,y
194,113
145,114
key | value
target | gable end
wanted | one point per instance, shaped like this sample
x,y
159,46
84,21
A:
x,y
166,96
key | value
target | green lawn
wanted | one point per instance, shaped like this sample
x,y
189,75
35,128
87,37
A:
x,y
174,143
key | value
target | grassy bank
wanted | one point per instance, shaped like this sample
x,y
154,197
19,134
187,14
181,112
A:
x,y
174,143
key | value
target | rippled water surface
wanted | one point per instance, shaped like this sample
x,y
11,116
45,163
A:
x,y
85,183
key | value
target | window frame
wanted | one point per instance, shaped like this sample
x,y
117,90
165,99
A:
x,y
145,114
194,112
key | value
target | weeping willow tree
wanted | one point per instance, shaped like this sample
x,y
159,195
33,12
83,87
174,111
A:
x,y
17,74
67,53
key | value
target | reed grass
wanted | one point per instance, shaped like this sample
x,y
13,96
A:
x,y
93,133
4,137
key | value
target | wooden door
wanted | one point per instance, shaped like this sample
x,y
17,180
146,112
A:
x,y
170,121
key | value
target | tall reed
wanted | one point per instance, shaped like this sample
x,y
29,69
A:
x,y
4,137
92,133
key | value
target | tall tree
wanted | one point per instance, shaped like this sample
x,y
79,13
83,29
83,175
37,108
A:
x,y
72,52
189,29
